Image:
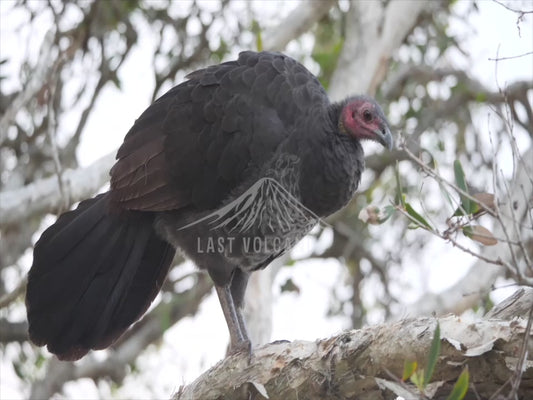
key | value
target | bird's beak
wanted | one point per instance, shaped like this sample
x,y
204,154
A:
x,y
384,136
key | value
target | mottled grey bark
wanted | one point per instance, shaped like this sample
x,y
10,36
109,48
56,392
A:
x,y
368,363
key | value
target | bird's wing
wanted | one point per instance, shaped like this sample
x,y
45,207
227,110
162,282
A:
x,y
200,140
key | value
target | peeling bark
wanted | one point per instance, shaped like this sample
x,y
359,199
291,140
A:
x,y
368,363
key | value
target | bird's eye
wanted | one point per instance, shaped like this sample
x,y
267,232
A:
x,y
367,115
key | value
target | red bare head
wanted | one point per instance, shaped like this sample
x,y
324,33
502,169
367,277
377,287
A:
x,y
362,118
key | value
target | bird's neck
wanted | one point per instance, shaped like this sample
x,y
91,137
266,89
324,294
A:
x,y
331,164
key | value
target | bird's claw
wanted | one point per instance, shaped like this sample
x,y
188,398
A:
x,y
243,347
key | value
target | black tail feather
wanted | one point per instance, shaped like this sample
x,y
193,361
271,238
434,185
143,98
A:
x,y
94,273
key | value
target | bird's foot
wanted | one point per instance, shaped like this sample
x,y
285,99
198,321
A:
x,y
242,347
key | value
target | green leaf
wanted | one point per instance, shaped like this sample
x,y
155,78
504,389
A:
x,y
222,50
290,286
418,379
446,195
290,262
460,181
165,321
329,42
481,97
417,218
387,212
409,368
434,352
40,360
461,386
256,29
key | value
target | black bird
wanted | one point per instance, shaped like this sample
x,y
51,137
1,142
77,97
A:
x,y
232,166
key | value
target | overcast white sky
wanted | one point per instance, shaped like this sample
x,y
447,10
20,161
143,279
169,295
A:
x,y
199,342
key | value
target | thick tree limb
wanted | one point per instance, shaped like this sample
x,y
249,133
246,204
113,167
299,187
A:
x,y
367,363
299,21
373,33
44,195
519,304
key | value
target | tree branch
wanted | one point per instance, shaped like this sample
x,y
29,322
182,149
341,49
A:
x,y
44,195
13,331
372,35
299,21
367,363
39,76
482,275
517,304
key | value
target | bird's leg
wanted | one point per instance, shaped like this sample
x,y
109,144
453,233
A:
x,y
238,340
238,289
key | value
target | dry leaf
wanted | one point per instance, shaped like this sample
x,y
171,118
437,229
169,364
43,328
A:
x,y
260,389
370,215
482,235
485,201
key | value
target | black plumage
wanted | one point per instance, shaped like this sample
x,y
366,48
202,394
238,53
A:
x,y
247,150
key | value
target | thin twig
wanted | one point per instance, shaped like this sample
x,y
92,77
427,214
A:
x,y
515,225
521,12
517,160
438,178
39,75
510,57
447,236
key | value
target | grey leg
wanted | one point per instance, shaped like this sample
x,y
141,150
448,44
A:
x,y
238,289
238,341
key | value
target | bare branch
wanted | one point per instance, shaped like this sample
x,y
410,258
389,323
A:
x,y
467,292
39,76
44,196
510,57
13,331
521,12
515,305
300,20
373,33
